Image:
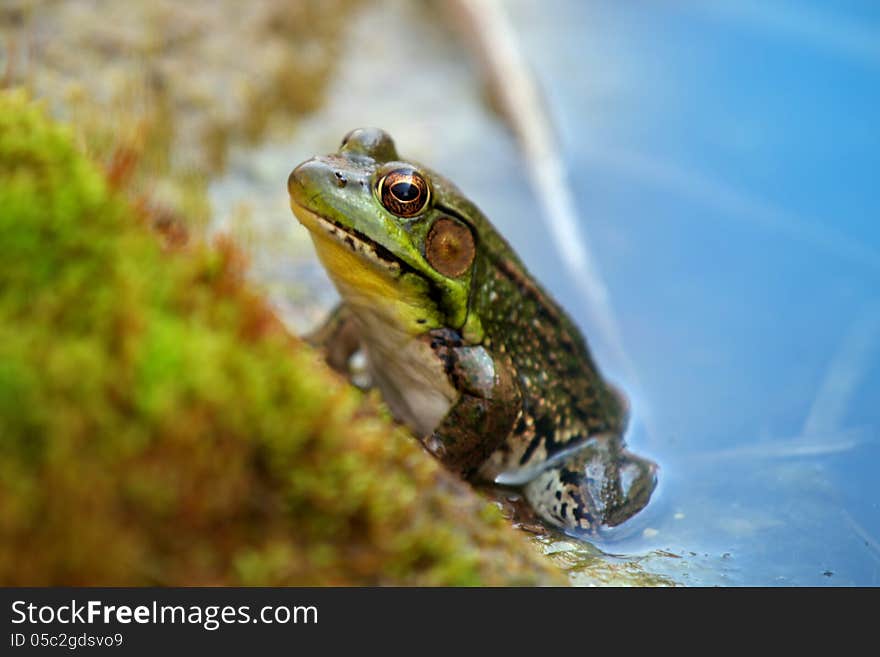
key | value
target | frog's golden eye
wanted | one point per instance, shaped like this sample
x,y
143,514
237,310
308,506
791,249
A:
x,y
404,192
450,247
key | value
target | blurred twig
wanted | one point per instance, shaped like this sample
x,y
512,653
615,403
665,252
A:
x,y
517,96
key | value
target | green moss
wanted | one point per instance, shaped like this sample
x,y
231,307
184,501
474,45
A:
x,y
158,425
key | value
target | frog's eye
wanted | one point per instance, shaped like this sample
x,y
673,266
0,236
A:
x,y
449,247
346,138
404,192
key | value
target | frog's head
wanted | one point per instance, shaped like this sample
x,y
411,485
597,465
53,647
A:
x,y
391,234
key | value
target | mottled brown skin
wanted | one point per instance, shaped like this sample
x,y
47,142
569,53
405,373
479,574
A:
x,y
564,398
560,402
531,408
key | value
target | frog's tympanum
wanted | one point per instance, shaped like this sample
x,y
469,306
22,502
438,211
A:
x,y
466,348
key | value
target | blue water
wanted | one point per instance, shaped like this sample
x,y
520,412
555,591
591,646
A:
x,y
725,158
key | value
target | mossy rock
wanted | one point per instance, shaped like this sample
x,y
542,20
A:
x,y
159,426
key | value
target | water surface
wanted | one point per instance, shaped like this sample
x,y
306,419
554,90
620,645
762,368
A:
x,y
725,157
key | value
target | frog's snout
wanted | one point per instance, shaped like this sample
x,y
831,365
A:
x,y
304,179
295,182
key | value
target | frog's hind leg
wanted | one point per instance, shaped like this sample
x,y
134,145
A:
x,y
598,485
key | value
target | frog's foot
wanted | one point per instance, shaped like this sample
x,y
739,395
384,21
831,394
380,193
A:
x,y
599,485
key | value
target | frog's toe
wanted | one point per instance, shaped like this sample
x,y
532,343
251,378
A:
x,y
638,479
592,490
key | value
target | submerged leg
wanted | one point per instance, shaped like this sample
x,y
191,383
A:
x,y
599,485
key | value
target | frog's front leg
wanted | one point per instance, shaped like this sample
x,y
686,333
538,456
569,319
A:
x,y
338,339
486,410
600,484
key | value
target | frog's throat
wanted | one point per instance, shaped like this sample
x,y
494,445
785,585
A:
x,y
370,280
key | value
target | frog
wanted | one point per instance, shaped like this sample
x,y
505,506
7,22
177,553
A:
x,y
466,348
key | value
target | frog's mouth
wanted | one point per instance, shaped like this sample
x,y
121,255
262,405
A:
x,y
326,232
369,277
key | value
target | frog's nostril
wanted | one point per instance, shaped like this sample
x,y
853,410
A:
x,y
341,180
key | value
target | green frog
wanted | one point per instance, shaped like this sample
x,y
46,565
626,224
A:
x,y
466,348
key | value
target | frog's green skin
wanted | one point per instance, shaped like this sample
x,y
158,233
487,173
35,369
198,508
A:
x,y
483,365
